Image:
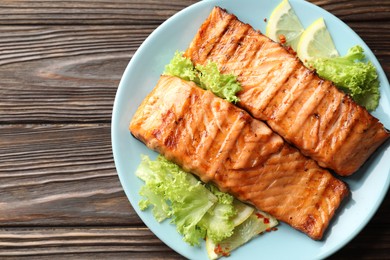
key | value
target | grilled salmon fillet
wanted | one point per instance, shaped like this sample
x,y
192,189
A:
x,y
223,144
307,111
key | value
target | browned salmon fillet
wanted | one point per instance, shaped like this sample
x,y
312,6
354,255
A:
x,y
307,111
223,144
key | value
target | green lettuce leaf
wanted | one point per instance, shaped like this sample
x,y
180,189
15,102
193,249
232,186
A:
x,y
218,221
205,76
181,67
223,85
151,193
198,210
177,194
352,75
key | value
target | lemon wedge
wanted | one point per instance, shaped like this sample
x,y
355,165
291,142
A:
x,y
257,223
284,26
316,42
243,212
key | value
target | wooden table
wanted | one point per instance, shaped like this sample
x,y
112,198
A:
x,y
60,65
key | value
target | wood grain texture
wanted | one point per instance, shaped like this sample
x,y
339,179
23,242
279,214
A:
x,y
360,11
60,74
83,242
60,65
76,12
60,175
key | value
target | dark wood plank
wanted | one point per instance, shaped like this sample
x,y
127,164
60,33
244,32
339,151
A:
x,y
89,12
30,43
360,11
62,74
151,254
60,175
151,11
82,242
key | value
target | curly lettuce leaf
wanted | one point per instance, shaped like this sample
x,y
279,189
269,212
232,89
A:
x,y
218,221
177,194
187,213
181,67
198,210
205,76
223,85
352,75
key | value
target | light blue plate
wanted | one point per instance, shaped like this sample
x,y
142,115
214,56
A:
x,y
368,186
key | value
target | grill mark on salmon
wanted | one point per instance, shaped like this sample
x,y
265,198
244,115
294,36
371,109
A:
x,y
307,108
223,144
307,111
233,34
207,46
246,52
298,82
